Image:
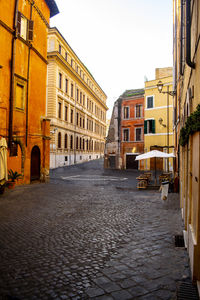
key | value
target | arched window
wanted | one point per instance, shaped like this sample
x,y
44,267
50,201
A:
x,y
71,142
65,141
77,142
83,144
59,139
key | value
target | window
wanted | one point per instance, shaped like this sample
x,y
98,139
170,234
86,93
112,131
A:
x,y
72,62
83,144
66,56
150,102
138,134
72,90
24,27
149,126
66,113
80,97
77,95
59,140
59,110
83,100
83,122
126,112
77,116
80,143
60,81
77,143
60,49
66,85
138,111
125,135
20,93
71,142
65,141
72,116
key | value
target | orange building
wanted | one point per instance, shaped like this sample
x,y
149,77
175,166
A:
x,y
23,72
132,127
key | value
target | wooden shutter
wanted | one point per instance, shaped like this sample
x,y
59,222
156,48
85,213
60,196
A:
x,y
153,126
19,16
145,127
30,30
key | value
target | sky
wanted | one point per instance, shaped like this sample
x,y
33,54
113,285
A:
x,y
121,42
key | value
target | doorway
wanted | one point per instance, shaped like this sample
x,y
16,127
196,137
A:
x,y
35,163
131,163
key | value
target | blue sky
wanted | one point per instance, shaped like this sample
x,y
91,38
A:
x,y
120,41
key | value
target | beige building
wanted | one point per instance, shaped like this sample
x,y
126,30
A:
x,y
187,123
76,106
158,129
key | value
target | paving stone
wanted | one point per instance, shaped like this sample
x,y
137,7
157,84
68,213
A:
x,y
121,295
94,292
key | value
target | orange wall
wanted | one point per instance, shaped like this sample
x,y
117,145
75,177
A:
x,y
36,85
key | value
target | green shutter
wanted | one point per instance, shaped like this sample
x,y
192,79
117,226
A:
x,y
153,126
145,127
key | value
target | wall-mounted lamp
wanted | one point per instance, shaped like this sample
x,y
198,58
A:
x,y
160,120
54,130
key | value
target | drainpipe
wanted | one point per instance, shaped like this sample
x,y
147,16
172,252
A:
x,y
27,88
181,39
188,35
12,71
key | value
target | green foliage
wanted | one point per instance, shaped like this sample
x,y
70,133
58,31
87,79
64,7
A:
x,y
192,125
13,175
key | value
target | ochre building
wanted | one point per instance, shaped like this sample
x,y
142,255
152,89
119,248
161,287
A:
x,y
23,71
158,123
76,106
187,123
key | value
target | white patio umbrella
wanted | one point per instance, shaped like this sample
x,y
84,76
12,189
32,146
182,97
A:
x,y
3,159
152,154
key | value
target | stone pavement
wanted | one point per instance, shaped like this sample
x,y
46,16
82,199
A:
x,y
89,234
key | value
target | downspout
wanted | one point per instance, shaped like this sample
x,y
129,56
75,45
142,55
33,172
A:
x,y
181,40
27,89
12,78
188,35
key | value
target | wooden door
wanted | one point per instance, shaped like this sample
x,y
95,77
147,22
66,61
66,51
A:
x,y
35,163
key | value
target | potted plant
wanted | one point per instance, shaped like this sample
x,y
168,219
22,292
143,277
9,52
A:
x,y
13,176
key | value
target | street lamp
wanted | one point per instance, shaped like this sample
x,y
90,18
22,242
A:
x,y
171,93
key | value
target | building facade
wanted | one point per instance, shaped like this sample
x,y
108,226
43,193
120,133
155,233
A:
x,y
158,128
132,128
112,157
23,59
76,106
187,123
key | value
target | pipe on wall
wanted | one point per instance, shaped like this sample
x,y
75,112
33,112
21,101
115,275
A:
x,y
188,35
12,71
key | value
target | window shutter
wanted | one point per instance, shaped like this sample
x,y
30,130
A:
x,y
19,22
145,127
30,30
153,126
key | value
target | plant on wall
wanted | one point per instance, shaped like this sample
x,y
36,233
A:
x,y
192,125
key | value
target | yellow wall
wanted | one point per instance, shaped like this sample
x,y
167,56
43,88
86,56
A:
x,y
158,111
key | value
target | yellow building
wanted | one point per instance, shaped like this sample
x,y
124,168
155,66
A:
x,y
76,106
23,71
187,122
158,129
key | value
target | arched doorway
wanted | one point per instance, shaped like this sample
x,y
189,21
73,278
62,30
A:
x,y
35,163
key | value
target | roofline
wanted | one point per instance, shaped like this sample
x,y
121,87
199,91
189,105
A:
x,y
55,28
53,7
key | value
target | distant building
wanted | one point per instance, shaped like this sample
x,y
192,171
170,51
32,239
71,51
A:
x,y
158,124
132,128
23,72
76,106
125,137
112,157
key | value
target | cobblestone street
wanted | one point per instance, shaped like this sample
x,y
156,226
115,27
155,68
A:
x,y
90,234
